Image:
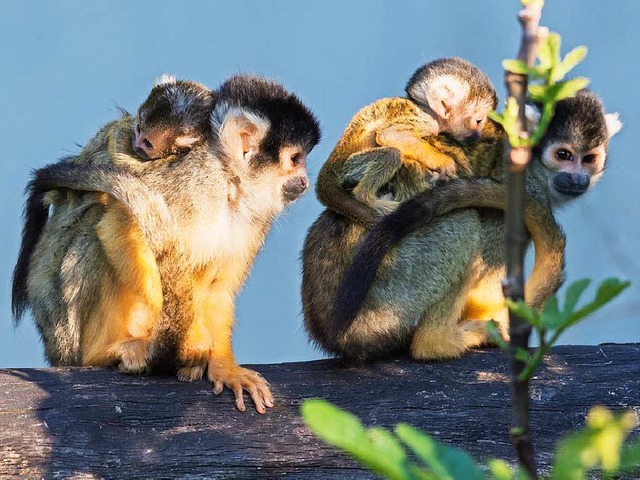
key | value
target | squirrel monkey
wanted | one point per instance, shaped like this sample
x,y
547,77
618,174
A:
x,y
386,148
221,198
175,116
433,293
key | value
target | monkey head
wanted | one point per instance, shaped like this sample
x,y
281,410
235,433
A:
x,y
173,118
458,94
574,149
267,132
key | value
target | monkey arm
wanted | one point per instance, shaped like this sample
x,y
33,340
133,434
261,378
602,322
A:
x,y
370,170
409,139
547,236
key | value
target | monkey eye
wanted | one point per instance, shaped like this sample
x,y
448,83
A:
x,y
137,129
295,158
479,122
564,155
590,158
147,143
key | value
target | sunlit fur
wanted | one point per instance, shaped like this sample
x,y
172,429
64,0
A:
x,y
389,143
427,277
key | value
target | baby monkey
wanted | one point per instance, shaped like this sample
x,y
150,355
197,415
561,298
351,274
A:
x,y
386,148
173,118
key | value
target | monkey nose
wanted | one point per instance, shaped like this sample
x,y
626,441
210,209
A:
x,y
472,138
294,188
580,180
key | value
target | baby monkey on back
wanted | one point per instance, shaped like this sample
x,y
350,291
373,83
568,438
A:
x,y
173,118
428,276
387,147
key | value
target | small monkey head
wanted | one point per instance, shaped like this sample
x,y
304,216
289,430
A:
x,y
459,95
173,118
574,150
267,133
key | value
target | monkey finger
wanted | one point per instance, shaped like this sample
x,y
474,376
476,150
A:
x,y
238,392
256,397
218,386
266,395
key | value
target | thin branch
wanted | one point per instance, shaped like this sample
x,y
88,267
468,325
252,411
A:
x,y
516,243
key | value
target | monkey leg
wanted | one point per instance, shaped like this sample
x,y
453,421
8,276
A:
x,y
424,279
208,345
453,326
372,169
485,302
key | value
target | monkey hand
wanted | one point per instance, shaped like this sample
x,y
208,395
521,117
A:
x,y
384,206
227,373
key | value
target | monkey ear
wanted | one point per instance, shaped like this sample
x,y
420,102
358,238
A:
x,y
241,133
614,125
163,79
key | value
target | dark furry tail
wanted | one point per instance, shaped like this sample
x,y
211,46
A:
x,y
36,213
35,217
548,238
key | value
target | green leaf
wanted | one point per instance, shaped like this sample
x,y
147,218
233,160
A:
x,y
537,93
549,51
573,294
500,469
597,446
523,310
385,441
569,88
522,354
550,317
630,458
571,59
343,430
515,66
511,123
493,330
447,463
607,291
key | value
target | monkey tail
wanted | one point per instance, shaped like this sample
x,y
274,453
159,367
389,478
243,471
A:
x,y
147,207
35,217
548,238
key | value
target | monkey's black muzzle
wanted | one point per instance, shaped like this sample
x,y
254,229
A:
x,y
571,184
295,187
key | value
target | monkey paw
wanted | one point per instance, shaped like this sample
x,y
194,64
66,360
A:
x,y
237,379
385,207
133,356
191,373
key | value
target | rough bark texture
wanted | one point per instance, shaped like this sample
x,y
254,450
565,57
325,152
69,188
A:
x,y
94,423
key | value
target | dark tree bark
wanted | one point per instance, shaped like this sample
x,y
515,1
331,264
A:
x,y
96,423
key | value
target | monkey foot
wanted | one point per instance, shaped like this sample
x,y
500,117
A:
x,y
191,373
133,356
237,379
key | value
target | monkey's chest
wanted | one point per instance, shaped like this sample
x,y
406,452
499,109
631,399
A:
x,y
223,236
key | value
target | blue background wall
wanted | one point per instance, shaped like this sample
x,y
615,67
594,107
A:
x,y
67,65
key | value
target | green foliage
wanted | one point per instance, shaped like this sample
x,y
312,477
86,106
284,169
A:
x,y
598,446
545,86
552,321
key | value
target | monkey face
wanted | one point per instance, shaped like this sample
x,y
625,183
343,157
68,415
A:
x,y
151,143
293,165
574,171
468,125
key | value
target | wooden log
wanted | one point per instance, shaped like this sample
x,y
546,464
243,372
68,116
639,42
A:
x,y
98,423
